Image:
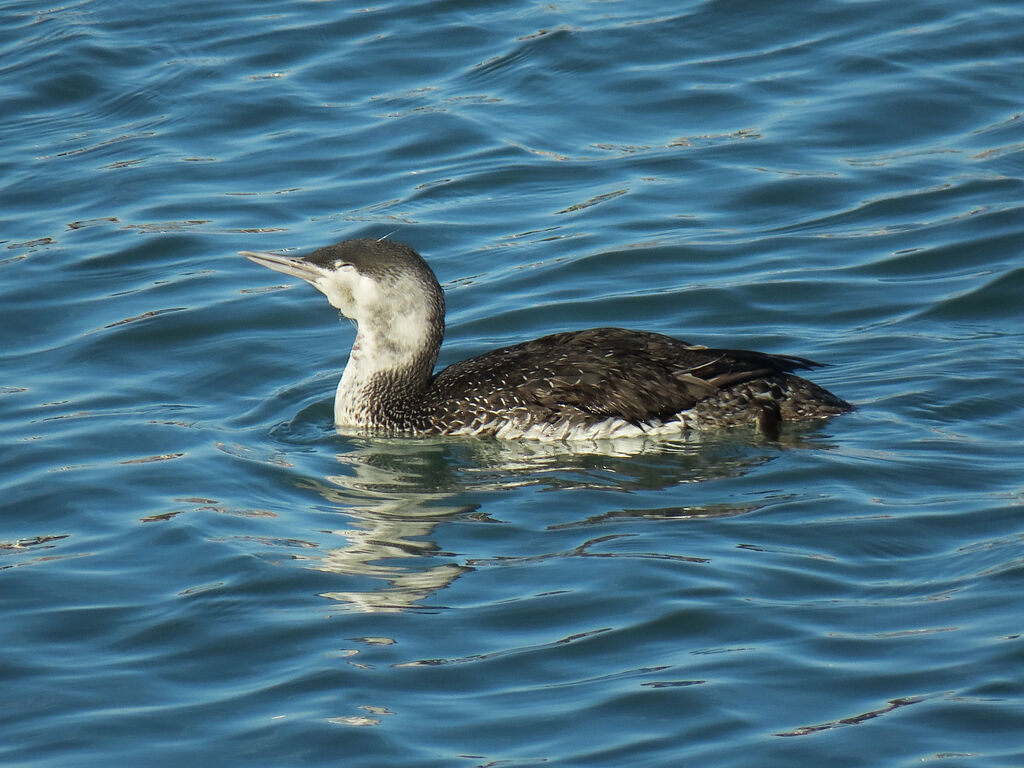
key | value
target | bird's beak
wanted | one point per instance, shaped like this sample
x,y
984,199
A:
x,y
290,266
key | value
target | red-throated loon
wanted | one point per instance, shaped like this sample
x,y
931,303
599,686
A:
x,y
597,383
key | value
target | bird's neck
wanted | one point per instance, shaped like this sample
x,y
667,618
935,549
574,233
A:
x,y
388,372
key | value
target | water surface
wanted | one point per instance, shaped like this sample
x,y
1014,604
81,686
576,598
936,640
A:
x,y
196,570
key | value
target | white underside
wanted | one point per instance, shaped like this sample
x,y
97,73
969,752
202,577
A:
x,y
604,430
349,418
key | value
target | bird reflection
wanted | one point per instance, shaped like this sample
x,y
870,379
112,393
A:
x,y
395,493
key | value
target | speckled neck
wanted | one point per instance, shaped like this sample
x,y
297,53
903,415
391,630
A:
x,y
390,367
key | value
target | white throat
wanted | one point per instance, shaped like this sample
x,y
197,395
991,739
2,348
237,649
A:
x,y
399,333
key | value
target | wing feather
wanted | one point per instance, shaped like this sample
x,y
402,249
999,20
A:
x,y
611,372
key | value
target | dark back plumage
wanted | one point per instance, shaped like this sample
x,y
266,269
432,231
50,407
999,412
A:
x,y
607,373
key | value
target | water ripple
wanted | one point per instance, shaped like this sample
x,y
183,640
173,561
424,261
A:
x,y
198,568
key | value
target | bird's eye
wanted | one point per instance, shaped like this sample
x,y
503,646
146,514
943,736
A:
x,y
341,263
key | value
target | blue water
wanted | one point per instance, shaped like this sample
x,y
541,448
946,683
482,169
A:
x,y
195,570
